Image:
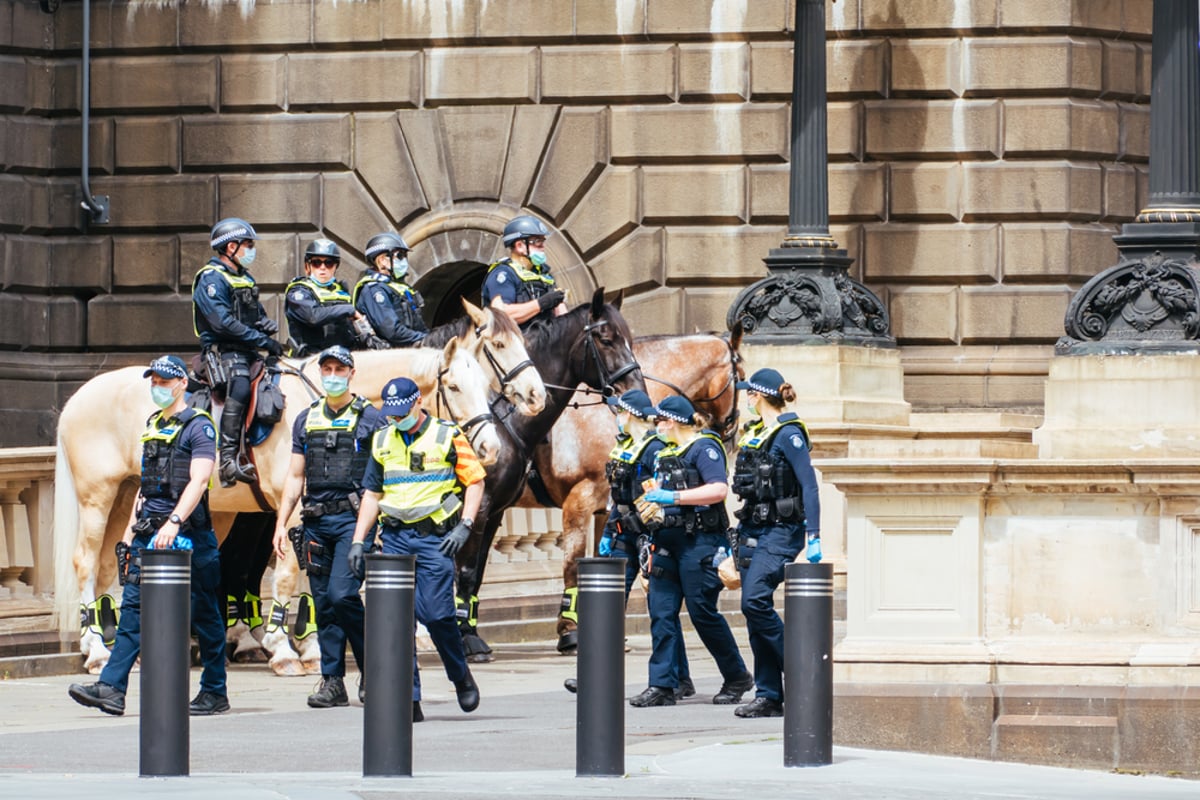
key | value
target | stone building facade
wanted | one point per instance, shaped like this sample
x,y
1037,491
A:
x,y
982,155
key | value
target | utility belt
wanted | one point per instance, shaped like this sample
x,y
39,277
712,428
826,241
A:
x,y
708,521
770,512
316,510
148,524
422,527
628,522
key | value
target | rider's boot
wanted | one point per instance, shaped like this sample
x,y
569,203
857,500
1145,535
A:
x,y
231,471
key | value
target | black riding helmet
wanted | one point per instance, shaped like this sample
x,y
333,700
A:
x,y
231,229
524,227
322,248
384,243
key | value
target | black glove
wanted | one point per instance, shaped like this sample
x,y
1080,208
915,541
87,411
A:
x,y
453,541
375,343
267,325
273,347
357,559
551,299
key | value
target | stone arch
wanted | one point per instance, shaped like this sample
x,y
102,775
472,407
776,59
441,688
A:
x,y
452,248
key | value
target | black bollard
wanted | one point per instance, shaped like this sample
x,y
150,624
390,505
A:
x,y
166,608
808,665
600,709
390,630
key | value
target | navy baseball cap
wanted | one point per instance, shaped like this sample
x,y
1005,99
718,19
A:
x,y
765,381
338,353
399,396
635,401
674,407
167,367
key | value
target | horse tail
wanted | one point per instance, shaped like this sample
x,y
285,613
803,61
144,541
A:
x,y
66,539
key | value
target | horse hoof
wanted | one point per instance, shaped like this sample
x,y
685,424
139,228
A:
x,y
481,658
474,645
289,668
312,667
257,656
568,643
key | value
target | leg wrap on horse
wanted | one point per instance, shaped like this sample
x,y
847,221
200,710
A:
x,y
278,616
570,605
306,618
233,611
100,617
467,615
568,640
251,610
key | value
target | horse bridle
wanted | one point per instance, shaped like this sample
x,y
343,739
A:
x,y
730,419
608,380
506,378
474,423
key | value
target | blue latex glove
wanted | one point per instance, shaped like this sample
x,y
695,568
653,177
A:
x,y
813,551
180,542
605,546
661,496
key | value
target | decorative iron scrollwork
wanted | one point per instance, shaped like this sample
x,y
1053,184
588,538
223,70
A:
x,y
826,305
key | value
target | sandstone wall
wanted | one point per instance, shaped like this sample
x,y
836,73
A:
x,y
982,155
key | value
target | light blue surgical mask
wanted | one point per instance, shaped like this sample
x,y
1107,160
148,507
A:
x,y
322,283
751,409
162,396
247,257
537,259
399,268
405,423
335,385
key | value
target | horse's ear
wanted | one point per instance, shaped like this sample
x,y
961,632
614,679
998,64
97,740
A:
x,y
450,350
598,303
735,334
476,313
620,298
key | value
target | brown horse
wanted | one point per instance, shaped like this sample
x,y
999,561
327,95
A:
x,y
570,466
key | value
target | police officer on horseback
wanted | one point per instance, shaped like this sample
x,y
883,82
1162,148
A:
x,y
521,285
233,327
779,517
690,472
384,297
331,440
178,450
318,307
423,486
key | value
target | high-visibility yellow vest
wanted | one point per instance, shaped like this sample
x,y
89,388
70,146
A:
x,y
418,478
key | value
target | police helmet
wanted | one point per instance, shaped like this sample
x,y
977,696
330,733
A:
x,y
322,248
338,353
384,243
231,229
524,227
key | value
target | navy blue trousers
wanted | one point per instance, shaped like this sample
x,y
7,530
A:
x,y
208,617
687,575
434,599
777,547
340,616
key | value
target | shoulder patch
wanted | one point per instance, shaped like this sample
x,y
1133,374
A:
x,y
212,290
797,441
501,277
379,297
712,455
297,295
209,432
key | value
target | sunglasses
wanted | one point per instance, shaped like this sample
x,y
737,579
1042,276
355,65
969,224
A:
x,y
323,262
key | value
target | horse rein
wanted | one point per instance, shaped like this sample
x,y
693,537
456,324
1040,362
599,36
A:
x,y
607,380
505,378
730,419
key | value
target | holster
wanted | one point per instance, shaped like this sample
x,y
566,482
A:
x,y
319,558
217,375
295,535
125,560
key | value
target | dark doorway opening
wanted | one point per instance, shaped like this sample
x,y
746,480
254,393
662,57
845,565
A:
x,y
443,288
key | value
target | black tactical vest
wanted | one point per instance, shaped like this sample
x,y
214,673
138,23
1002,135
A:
x,y
337,451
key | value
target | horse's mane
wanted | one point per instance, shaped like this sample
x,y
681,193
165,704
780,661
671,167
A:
x,y
541,337
501,324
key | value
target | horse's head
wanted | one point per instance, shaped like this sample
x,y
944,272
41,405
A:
x,y
461,396
602,356
500,346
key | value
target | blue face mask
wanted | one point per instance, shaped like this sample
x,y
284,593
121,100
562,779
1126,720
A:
x,y
322,283
405,423
162,396
247,257
335,385
399,268
537,259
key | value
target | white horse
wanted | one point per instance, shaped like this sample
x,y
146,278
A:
x,y
98,460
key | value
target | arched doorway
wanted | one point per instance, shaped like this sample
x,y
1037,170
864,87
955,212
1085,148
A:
x,y
443,287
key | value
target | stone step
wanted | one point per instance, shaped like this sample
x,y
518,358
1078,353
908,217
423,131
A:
x,y
1082,740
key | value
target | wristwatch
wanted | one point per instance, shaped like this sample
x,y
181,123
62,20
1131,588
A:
x,y
467,521
175,518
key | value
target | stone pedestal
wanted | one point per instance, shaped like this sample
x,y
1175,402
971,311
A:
x,y
1118,407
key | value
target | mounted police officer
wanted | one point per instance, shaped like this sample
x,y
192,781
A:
x,y
690,472
233,326
781,505
423,486
331,440
521,285
318,307
178,450
384,297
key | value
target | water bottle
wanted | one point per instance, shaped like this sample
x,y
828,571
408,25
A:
x,y
721,555
813,551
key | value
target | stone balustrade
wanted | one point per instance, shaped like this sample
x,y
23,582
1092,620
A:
x,y
26,522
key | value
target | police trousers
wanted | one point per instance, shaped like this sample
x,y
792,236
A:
x,y
776,547
208,616
340,615
434,599
684,573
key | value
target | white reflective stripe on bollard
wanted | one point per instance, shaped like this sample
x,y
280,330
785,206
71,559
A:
x,y
165,573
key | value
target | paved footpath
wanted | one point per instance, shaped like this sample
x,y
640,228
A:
x,y
520,743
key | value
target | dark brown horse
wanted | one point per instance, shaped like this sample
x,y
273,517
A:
x,y
590,344
570,466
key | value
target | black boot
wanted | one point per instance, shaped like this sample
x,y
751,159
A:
x,y
468,693
231,471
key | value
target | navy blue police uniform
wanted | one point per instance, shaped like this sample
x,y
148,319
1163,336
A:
x,y
682,567
773,475
169,445
629,464
226,315
336,447
515,284
392,307
319,316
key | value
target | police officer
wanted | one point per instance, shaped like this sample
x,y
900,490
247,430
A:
x,y
384,297
423,486
780,504
178,449
331,440
232,326
690,472
521,285
318,307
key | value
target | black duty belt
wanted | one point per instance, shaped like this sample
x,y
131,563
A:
x,y
314,510
423,527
